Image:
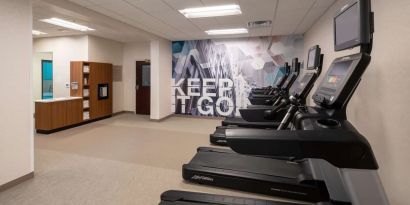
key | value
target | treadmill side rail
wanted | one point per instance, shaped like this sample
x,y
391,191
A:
x,y
342,148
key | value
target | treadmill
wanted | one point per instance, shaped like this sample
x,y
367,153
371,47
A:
x,y
280,91
337,152
261,99
317,132
269,117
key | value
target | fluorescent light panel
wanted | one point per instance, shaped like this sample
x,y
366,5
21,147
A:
x,y
200,12
37,33
67,24
227,31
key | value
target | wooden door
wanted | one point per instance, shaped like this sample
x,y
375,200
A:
x,y
143,88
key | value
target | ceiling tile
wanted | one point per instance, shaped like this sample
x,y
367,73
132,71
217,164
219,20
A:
x,y
314,14
183,4
101,2
290,14
292,5
150,5
83,2
121,7
161,17
206,23
284,25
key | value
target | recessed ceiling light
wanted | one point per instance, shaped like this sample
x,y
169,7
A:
x,y
67,24
200,12
227,31
37,33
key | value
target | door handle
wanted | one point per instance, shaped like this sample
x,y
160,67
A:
x,y
137,87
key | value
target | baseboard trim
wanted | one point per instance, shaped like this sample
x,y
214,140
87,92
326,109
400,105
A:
x,y
122,112
162,119
16,181
72,126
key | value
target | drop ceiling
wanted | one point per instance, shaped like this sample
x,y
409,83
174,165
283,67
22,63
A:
x,y
141,20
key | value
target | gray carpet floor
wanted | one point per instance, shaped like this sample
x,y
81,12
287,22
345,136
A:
x,y
126,159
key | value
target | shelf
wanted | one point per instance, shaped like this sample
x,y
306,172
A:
x,y
89,75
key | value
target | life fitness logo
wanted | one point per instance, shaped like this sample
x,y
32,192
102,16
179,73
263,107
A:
x,y
206,93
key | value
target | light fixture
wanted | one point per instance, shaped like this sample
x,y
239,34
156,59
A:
x,y
227,31
37,33
67,24
200,12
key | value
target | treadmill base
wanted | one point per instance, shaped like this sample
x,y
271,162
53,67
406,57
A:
x,y
191,198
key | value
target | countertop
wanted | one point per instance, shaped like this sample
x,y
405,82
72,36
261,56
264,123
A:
x,y
57,99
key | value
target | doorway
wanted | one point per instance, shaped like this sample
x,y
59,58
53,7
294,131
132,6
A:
x,y
143,88
46,79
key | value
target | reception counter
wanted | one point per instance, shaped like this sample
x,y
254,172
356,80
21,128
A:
x,y
59,113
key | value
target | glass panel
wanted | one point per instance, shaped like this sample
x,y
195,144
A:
x,y
146,75
47,79
103,92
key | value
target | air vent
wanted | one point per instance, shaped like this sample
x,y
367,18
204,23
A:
x,y
259,24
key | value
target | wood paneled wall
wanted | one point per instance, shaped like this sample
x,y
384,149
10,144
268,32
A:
x,y
100,73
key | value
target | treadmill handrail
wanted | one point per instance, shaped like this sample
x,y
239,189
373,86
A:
x,y
342,148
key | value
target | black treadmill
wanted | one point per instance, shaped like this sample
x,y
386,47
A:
x,y
261,99
295,69
269,89
269,117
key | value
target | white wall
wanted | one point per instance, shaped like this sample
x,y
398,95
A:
x,y
81,48
379,108
65,50
108,51
132,52
37,78
161,75
16,130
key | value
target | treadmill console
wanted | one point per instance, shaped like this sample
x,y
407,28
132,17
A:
x,y
282,79
294,73
341,80
300,87
313,58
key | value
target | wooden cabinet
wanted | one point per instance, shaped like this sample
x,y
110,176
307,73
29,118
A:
x,y
74,112
55,114
59,114
87,76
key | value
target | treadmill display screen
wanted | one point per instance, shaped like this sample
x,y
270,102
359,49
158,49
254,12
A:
x,y
301,85
311,58
337,74
347,26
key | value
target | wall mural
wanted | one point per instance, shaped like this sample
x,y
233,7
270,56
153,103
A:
x,y
214,77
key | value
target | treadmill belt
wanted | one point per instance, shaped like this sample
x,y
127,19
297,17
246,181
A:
x,y
229,160
192,198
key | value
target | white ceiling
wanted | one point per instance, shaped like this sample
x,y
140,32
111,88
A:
x,y
161,17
